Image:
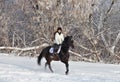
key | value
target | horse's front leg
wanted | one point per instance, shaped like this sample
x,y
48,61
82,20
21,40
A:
x,y
67,68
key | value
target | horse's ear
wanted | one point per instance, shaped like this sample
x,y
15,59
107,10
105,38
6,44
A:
x,y
71,37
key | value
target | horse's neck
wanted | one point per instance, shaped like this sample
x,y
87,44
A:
x,y
65,48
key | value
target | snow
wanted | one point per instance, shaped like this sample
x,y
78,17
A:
x,y
25,69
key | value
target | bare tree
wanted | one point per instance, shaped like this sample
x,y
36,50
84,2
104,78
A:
x,y
94,25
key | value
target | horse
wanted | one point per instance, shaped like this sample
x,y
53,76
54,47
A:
x,y
63,54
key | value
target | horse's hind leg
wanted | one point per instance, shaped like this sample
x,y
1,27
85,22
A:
x,y
50,67
48,63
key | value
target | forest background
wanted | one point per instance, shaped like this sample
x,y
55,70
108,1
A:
x,y
26,26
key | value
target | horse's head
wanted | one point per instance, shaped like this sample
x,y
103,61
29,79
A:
x,y
68,40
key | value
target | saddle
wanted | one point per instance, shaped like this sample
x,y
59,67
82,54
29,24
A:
x,y
55,49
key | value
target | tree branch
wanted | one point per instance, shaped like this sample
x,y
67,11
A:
x,y
24,49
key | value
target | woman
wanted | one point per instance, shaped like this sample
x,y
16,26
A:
x,y
58,39
58,36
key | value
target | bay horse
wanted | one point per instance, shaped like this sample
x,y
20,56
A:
x,y
63,55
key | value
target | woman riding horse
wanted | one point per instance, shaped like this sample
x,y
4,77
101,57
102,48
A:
x,y
63,54
58,39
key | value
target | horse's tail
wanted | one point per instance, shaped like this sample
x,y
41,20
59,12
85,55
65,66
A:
x,y
40,57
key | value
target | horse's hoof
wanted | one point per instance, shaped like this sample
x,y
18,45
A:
x,y
66,73
39,63
52,72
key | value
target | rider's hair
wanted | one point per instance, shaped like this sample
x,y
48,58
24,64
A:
x,y
59,28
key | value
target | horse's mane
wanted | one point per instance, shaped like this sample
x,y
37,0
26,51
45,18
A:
x,y
65,44
66,39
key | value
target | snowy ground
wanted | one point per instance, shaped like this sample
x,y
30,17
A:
x,y
25,69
